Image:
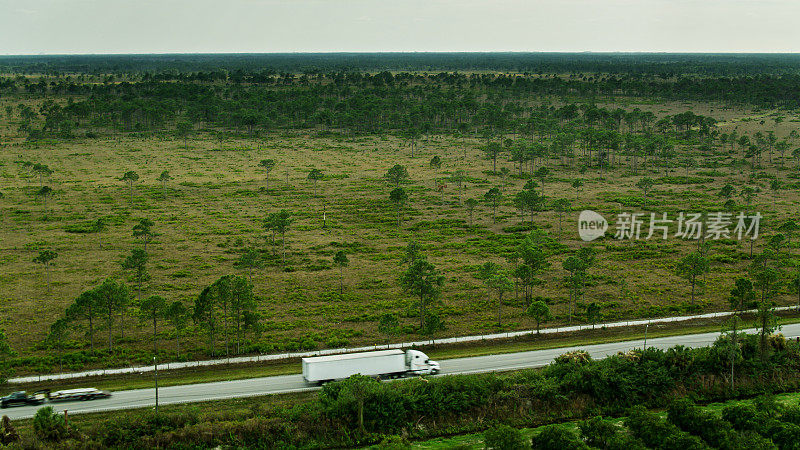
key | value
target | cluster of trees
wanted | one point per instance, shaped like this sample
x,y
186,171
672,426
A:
x,y
110,301
405,104
496,108
262,68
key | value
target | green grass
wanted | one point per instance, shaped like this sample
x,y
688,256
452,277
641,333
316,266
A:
x,y
213,209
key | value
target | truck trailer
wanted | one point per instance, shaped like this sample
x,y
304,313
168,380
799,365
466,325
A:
x,y
382,364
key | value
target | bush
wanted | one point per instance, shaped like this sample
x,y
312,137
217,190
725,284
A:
x,y
648,427
394,443
743,417
603,434
784,435
556,437
690,418
683,441
504,437
49,425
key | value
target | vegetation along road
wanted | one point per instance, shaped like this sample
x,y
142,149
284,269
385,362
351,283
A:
x,y
141,398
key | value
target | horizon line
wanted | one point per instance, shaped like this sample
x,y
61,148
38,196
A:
x,y
411,52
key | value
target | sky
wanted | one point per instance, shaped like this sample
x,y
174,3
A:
x,y
35,27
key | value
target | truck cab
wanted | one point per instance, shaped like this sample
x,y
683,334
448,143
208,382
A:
x,y
20,398
418,363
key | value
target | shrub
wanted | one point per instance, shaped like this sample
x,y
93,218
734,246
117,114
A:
x,y
49,425
556,437
504,437
394,443
648,427
743,417
784,435
683,441
603,434
9,433
715,431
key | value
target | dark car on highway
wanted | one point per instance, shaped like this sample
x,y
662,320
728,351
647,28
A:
x,y
21,398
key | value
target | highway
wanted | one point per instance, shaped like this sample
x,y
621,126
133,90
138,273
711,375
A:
x,y
141,398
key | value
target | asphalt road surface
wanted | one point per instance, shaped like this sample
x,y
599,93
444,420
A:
x,y
141,398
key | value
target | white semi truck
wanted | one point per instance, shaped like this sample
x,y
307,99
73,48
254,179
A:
x,y
383,363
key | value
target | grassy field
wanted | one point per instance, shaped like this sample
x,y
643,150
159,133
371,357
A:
x,y
213,210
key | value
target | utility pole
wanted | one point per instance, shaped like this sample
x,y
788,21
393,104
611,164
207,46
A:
x,y
645,335
155,366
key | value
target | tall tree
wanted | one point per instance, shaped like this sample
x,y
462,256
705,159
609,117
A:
x,y
690,267
645,184
183,130
578,185
98,226
501,284
340,260
493,197
267,165
741,296
45,258
136,262
177,314
164,178
243,301
130,177
250,259
396,175
314,176
436,162
42,171
85,307
280,222
413,135
113,297
204,314
561,206
422,280
540,312
542,173
471,203
399,197
486,272
44,193
493,150
411,253
143,231
458,177
767,282
575,280
593,312
151,309
795,285
227,298
56,337
388,324
534,263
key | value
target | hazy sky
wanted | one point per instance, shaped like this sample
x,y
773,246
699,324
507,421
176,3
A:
x,y
178,26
